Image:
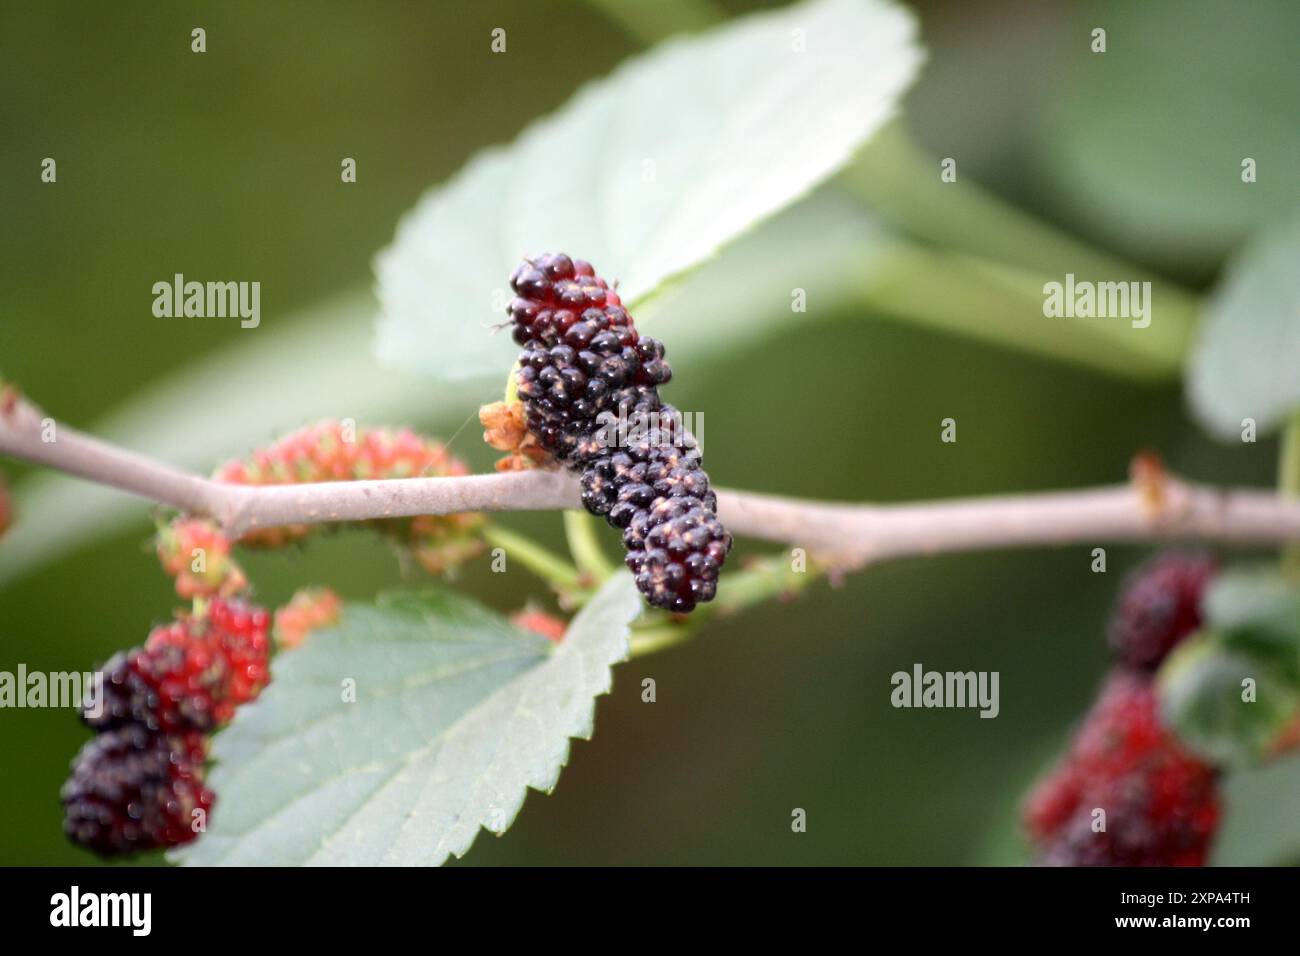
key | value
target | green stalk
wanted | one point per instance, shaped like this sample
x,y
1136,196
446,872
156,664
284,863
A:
x,y
1003,305
760,581
985,238
1288,484
649,640
900,181
546,564
512,386
581,530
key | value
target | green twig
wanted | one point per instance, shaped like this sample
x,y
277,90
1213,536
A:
x,y
761,580
648,640
900,180
1001,304
546,564
985,248
775,576
581,530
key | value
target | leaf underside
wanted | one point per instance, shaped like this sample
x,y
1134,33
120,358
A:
x,y
645,173
1244,363
456,714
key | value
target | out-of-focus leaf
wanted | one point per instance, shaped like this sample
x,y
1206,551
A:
x,y
455,715
1261,817
1261,820
1146,144
1246,363
1255,600
807,263
1203,696
646,173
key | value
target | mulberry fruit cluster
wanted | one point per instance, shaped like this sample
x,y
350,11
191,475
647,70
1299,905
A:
x,y
339,451
132,789
589,383
1161,803
1159,605
136,785
196,554
308,610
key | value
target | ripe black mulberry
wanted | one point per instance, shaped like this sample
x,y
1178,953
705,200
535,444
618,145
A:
x,y
590,387
133,789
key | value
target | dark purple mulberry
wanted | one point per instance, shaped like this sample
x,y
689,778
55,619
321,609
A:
x,y
1160,604
177,683
132,790
590,388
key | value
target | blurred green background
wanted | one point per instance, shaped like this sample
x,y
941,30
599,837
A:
x,y
227,165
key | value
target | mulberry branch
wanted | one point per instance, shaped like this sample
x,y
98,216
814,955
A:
x,y
846,534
